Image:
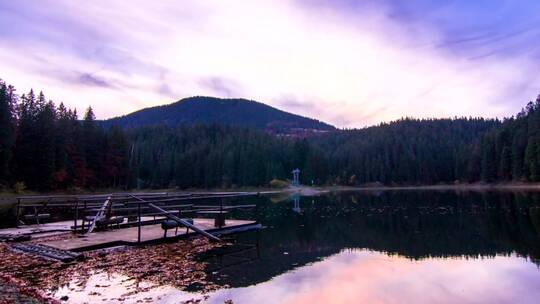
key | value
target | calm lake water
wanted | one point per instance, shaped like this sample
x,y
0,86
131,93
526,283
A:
x,y
360,247
393,247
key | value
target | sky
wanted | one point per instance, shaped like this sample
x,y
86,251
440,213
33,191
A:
x,y
349,63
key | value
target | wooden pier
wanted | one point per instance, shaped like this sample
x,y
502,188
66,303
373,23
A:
x,y
103,221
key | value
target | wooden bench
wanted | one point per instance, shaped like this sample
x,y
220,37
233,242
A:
x,y
170,224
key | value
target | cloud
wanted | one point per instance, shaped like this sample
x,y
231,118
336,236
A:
x,y
351,63
221,87
88,79
290,101
165,89
77,78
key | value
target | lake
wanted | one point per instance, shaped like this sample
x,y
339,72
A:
x,y
394,247
367,247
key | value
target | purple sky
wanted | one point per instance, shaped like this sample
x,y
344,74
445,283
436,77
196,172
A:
x,y
350,63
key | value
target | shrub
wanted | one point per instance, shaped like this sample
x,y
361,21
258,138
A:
x,y
19,187
278,183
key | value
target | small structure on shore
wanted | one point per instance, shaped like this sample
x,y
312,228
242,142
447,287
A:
x,y
296,177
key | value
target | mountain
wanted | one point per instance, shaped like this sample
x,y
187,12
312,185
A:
x,y
210,110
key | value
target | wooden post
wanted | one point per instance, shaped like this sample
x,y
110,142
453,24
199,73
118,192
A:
x,y
18,211
220,215
76,215
83,217
139,226
257,244
221,205
36,215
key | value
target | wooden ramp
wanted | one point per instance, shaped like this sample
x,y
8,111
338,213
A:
x,y
47,252
149,234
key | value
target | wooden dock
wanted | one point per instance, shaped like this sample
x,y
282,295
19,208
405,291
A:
x,y
108,220
149,234
125,236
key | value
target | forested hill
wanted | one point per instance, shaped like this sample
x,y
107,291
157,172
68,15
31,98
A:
x,y
231,112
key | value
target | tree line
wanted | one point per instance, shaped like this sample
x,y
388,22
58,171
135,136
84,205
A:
x,y
47,147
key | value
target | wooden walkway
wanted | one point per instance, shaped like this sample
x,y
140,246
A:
x,y
38,230
149,234
48,228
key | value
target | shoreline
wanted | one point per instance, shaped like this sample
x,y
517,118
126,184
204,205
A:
x,y
465,187
478,187
304,190
301,188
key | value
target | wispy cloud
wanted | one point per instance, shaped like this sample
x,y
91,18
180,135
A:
x,y
351,63
221,87
91,80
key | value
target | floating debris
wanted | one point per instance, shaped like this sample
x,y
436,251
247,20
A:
x,y
173,264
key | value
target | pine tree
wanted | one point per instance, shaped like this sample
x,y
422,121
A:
x,y
90,147
531,159
7,130
46,129
474,165
505,165
25,144
93,142
64,140
115,163
519,143
489,165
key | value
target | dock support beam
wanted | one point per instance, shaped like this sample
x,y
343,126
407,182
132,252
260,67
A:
x,y
76,215
139,224
18,212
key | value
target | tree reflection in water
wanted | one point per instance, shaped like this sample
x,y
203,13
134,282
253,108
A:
x,y
412,224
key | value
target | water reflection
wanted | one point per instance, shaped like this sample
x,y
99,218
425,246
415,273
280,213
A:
x,y
351,276
116,288
296,203
371,277
416,225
